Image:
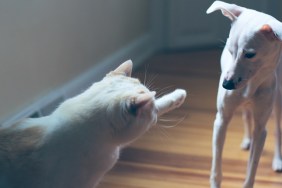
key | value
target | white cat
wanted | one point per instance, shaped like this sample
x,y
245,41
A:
x,y
81,140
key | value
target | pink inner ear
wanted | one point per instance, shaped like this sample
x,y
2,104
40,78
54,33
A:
x,y
125,68
268,32
136,105
266,28
140,102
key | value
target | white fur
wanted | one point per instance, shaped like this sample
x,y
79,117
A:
x,y
249,75
170,101
80,141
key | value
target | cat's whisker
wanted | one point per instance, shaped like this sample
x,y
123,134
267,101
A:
x,y
163,131
168,120
161,136
164,91
145,76
151,81
148,82
178,121
151,87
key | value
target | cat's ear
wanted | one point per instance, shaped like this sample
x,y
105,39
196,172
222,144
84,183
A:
x,y
125,68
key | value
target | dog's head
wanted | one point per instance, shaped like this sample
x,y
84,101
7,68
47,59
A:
x,y
254,43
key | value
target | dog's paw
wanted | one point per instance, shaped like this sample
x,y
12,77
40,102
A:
x,y
246,143
215,181
214,185
248,186
277,164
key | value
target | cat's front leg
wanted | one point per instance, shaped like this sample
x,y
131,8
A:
x,y
170,101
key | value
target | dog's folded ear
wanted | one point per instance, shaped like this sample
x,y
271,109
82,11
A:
x,y
272,30
231,11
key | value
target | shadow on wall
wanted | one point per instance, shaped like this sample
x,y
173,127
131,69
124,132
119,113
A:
x,y
51,46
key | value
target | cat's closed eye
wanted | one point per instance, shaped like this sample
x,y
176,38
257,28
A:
x,y
132,107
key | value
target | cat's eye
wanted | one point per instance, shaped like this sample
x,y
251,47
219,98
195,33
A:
x,y
132,108
249,55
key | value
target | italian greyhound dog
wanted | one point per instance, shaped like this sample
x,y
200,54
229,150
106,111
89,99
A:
x,y
251,69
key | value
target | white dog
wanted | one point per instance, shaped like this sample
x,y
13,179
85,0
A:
x,y
250,66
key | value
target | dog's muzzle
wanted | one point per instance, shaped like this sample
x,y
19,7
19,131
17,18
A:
x,y
228,84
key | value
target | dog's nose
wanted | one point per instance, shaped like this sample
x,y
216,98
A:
x,y
228,84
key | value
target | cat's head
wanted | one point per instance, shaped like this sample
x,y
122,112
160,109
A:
x,y
131,109
119,106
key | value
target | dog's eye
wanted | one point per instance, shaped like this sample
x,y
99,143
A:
x,y
250,55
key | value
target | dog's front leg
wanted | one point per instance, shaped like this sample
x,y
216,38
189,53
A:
x,y
223,116
261,112
219,133
277,159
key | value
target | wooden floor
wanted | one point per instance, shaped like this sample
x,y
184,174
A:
x,y
180,156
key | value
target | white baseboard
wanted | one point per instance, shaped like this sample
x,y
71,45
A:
x,y
137,51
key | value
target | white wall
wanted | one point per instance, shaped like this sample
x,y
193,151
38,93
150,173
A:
x,y
44,44
188,25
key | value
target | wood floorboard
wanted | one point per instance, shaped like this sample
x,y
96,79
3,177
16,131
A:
x,y
180,156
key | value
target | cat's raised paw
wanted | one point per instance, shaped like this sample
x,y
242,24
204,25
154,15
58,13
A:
x,y
180,95
170,101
